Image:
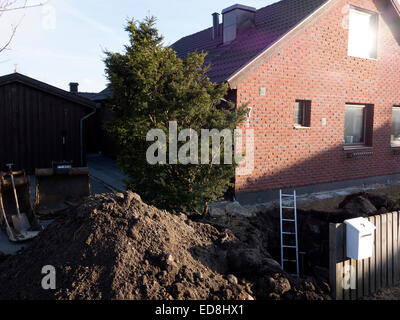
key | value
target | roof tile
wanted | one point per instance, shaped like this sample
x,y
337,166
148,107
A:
x,y
271,24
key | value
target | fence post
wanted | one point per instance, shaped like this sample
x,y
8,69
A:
x,y
378,253
384,246
390,249
372,261
398,247
395,248
336,259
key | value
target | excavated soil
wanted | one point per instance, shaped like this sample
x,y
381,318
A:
x,y
117,247
385,294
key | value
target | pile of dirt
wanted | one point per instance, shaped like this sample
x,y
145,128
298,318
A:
x,y
117,247
313,225
261,233
3,257
365,204
385,294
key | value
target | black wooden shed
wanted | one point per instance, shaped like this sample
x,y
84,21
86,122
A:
x,y
40,124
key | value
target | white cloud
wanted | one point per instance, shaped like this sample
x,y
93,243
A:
x,y
91,85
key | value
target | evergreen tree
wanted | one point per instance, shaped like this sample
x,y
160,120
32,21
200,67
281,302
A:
x,y
152,87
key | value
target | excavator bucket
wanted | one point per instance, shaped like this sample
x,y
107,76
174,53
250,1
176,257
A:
x,y
59,189
8,207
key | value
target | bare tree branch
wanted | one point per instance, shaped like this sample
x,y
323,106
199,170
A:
x,y
13,32
21,7
14,5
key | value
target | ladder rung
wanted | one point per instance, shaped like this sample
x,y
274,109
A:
x,y
288,201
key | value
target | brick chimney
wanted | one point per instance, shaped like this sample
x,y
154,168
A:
x,y
73,87
236,17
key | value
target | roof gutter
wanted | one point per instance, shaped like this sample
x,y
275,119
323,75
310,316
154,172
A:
x,y
234,79
82,134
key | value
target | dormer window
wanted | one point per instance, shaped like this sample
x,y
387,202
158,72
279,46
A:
x,y
363,34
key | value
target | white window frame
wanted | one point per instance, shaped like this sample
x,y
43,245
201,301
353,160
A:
x,y
392,142
364,134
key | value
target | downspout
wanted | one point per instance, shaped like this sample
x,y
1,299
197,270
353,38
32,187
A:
x,y
82,135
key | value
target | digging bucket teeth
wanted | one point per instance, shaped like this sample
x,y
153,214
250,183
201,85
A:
x,y
8,206
60,188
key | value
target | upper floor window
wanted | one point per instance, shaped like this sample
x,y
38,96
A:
x,y
363,34
396,125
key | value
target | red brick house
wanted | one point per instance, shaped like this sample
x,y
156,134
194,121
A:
x,y
323,80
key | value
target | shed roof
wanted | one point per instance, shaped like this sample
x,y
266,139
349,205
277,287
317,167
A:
x,y
20,78
87,95
103,95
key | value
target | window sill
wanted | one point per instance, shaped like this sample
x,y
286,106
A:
x,y
298,127
364,58
395,146
355,148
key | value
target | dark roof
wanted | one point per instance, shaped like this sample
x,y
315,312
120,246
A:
x,y
17,77
87,95
271,24
102,95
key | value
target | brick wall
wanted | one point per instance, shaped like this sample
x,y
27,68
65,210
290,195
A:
x,y
315,66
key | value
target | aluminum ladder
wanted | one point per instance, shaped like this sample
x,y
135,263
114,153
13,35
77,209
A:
x,y
283,221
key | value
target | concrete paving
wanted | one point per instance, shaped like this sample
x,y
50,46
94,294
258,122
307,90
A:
x,y
106,171
7,247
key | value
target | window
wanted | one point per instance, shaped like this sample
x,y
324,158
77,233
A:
x,y
302,114
358,124
354,124
396,125
363,31
397,5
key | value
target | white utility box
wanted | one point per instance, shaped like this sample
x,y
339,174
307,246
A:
x,y
360,238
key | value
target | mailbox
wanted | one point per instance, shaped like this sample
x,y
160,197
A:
x,y
360,234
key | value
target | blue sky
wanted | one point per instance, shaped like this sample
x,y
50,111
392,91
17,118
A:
x,y
64,40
